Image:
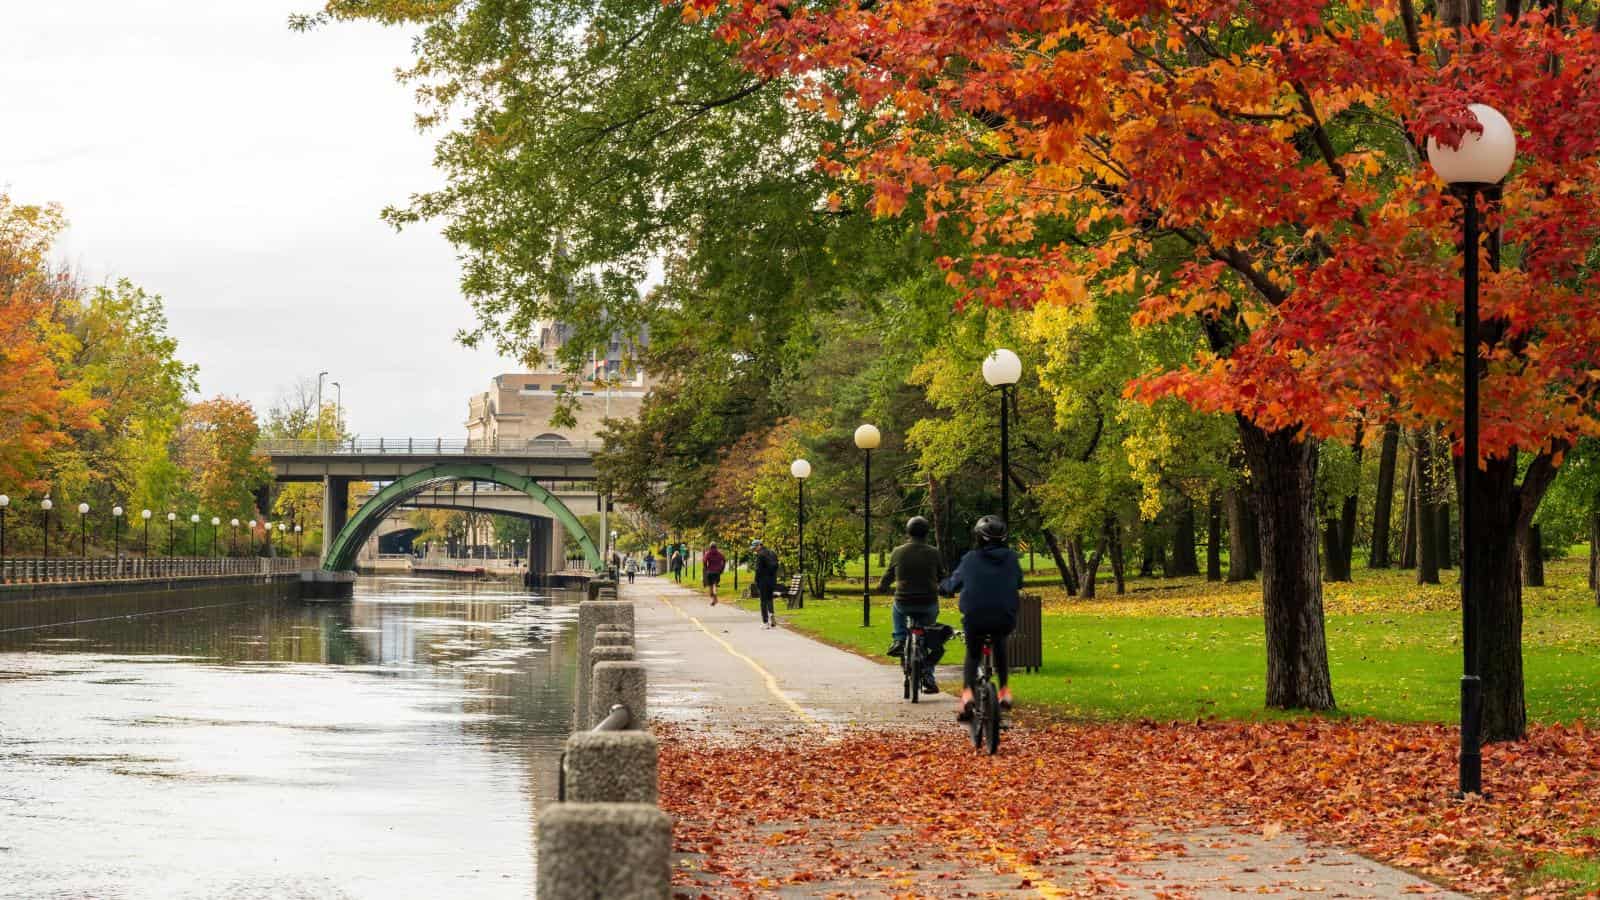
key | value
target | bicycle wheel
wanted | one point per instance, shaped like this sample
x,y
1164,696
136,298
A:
x,y
975,726
991,717
914,665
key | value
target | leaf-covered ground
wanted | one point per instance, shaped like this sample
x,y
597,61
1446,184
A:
x,y
1086,808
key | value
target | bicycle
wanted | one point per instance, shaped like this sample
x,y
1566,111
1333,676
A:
x,y
985,725
911,660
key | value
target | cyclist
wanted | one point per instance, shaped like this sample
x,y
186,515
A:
x,y
915,568
989,579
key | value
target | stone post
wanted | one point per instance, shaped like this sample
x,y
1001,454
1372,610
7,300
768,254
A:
x,y
611,767
599,654
618,682
591,615
590,850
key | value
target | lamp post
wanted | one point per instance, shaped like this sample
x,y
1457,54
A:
x,y
320,376
116,533
1474,168
214,523
145,515
5,502
233,538
44,508
194,534
868,439
297,540
1002,369
283,540
801,470
172,529
338,409
83,530
251,536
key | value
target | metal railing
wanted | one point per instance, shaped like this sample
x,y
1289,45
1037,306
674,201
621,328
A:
x,y
417,446
39,570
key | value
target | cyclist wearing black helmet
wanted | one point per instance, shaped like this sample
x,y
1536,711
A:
x,y
989,579
915,568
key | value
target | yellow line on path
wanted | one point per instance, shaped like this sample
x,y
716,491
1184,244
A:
x,y
771,681
1039,881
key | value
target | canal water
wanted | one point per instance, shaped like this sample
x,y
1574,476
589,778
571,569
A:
x,y
395,746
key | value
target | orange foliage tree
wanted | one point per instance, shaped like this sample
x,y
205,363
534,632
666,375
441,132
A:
x,y
217,445
37,404
1257,169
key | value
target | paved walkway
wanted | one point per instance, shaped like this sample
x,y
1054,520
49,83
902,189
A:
x,y
718,665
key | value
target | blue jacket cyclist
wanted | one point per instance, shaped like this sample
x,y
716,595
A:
x,y
989,581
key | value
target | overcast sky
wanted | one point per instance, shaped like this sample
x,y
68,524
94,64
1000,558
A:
x,y
237,168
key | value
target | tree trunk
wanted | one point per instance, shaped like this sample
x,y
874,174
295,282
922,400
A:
x,y
1118,562
1214,538
1383,500
1080,566
1337,568
1184,560
1347,518
1532,544
1283,476
1427,518
1252,542
1147,559
1447,547
1408,518
1239,529
1091,567
1164,564
1068,578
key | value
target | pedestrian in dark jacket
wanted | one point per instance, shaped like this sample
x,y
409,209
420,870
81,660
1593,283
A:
x,y
676,565
715,564
989,580
766,576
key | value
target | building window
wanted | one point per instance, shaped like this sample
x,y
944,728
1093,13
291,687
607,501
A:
x,y
530,388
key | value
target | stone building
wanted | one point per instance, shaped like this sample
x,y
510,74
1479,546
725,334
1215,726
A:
x,y
517,406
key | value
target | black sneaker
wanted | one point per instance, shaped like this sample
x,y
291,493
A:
x,y
898,648
929,685
965,715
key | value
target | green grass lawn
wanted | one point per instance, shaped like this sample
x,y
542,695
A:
x,y
1182,648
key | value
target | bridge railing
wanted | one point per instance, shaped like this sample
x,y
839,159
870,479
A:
x,y
415,446
39,570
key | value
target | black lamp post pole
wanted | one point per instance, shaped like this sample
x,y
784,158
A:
x,y
866,539
1471,760
146,538
800,598
47,534
1005,456
172,536
2,541
83,535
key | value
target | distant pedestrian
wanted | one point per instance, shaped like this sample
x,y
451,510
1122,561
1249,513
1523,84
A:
x,y
715,563
676,565
633,569
766,575
649,563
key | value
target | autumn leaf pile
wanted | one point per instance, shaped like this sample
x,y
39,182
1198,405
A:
x,y
1100,798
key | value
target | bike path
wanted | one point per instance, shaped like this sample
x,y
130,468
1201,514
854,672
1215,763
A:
x,y
712,665
717,668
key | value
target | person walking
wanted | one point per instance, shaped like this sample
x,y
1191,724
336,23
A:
x,y
766,578
676,565
989,580
649,563
715,563
914,570
633,569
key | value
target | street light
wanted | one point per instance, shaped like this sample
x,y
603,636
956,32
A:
x,y
194,534
868,439
1475,167
172,527
145,515
5,501
116,534
297,540
83,530
801,470
214,523
282,539
320,376
44,507
338,409
233,538
1002,369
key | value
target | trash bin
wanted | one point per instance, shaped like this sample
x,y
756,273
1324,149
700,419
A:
x,y
1025,647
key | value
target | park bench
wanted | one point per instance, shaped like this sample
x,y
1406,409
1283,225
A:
x,y
792,597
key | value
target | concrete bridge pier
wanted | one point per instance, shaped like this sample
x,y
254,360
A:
x,y
335,508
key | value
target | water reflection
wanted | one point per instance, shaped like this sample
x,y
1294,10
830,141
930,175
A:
x,y
395,746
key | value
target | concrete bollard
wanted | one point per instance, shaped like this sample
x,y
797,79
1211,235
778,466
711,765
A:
x,y
591,615
598,654
618,682
611,636
596,585
611,767
603,850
